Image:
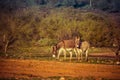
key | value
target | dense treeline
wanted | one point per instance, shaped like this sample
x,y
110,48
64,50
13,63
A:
x,y
44,26
106,5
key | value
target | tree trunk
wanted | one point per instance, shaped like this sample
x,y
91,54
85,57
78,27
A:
x,y
90,3
117,51
6,46
4,38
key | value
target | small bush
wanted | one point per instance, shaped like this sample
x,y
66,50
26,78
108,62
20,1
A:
x,y
46,42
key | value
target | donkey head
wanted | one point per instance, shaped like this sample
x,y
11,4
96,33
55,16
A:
x,y
54,51
77,42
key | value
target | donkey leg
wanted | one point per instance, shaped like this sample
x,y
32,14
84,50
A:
x,y
64,52
86,55
70,55
80,54
76,54
59,52
58,55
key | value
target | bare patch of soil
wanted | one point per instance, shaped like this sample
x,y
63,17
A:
x,y
34,68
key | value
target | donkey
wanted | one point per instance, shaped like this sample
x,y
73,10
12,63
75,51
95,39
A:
x,y
66,46
84,48
71,46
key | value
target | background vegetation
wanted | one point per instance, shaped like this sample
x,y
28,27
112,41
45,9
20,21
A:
x,y
41,23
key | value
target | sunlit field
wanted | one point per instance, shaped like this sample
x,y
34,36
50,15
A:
x,y
31,31
37,63
96,55
58,78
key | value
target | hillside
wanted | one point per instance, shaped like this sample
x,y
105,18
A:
x,y
105,5
45,22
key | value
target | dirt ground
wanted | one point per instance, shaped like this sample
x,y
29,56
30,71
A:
x,y
34,68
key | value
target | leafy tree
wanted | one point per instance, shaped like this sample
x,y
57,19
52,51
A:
x,y
94,28
8,31
39,23
115,29
19,29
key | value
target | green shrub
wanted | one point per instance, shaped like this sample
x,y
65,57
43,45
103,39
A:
x,y
46,42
